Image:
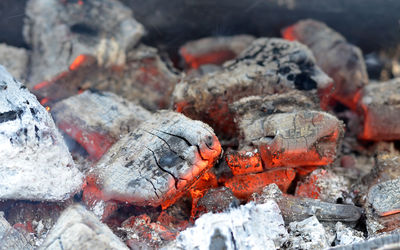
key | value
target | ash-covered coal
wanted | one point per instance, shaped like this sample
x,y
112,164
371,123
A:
x,y
35,163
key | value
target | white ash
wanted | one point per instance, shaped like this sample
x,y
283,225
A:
x,y
346,235
59,31
34,161
10,238
246,227
15,60
307,234
77,228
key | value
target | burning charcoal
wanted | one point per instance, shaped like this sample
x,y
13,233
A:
x,y
346,235
96,120
324,185
158,162
339,59
244,162
307,234
152,234
302,138
216,200
297,209
383,242
34,161
60,31
286,132
214,50
243,186
385,197
10,238
15,60
146,77
380,103
268,66
246,227
77,228
206,181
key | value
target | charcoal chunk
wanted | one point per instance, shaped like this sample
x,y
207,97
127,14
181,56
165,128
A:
x,y
170,153
263,68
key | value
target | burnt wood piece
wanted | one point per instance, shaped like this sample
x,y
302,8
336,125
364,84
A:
x,y
342,61
296,208
380,104
158,162
34,161
213,50
145,77
285,130
60,31
78,228
96,120
267,66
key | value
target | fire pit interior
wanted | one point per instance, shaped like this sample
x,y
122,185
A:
x,y
199,125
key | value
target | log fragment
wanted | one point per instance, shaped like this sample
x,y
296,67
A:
x,y
96,120
342,61
77,228
380,104
34,161
213,50
60,31
158,162
267,66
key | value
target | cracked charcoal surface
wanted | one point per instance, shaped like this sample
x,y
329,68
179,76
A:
x,y
60,31
157,162
385,197
77,228
268,66
246,227
34,161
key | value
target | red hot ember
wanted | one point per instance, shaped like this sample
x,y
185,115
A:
x,y
339,59
213,50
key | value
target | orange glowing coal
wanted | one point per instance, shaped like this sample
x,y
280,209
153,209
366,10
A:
x,y
213,57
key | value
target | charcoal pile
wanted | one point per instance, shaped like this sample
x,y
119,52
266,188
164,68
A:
x,y
242,142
